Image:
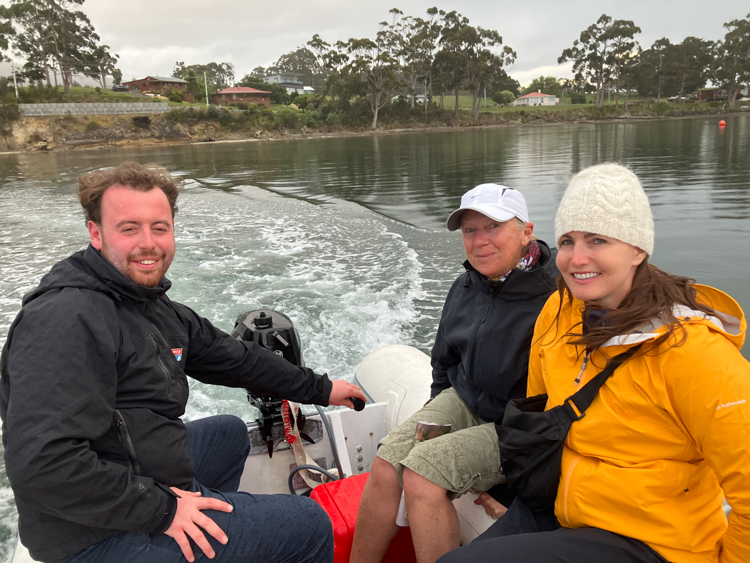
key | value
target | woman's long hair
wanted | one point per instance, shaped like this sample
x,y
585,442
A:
x,y
653,295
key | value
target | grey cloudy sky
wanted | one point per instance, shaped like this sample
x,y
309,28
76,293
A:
x,y
150,35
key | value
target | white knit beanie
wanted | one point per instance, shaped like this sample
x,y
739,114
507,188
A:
x,y
607,199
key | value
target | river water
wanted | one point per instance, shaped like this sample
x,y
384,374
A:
x,y
347,236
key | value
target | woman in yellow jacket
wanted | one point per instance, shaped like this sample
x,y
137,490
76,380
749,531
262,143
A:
x,y
667,439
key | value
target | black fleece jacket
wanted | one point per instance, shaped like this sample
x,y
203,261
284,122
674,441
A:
x,y
93,384
484,338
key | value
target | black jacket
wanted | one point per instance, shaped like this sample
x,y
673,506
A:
x,y
93,387
483,341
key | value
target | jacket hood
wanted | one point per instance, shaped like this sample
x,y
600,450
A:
x,y
89,269
520,284
729,319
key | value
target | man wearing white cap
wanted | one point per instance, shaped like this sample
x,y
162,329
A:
x,y
479,362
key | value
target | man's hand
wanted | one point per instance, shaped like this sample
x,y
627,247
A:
x,y
341,391
188,521
493,508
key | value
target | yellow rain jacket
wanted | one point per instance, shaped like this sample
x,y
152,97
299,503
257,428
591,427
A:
x,y
666,439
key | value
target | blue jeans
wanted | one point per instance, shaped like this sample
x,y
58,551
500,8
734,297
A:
x,y
267,528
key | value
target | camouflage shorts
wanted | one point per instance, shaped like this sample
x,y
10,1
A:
x,y
465,460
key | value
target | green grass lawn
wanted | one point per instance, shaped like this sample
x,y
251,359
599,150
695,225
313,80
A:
x,y
464,103
77,94
83,94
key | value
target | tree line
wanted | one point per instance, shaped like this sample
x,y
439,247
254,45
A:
x,y
441,51
436,53
56,40
607,55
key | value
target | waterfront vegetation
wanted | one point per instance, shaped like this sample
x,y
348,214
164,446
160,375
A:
x,y
328,116
438,53
372,83
309,115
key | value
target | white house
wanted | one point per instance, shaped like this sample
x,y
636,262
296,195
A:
x,y
536,99
289,80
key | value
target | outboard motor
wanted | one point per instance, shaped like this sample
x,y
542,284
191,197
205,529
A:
x,y
274,331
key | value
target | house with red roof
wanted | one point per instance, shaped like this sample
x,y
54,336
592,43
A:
x,y
241,94
536,99
160,85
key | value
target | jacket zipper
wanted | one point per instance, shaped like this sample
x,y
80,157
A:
x,y
583,368
568,475
162,366
476,336
126,442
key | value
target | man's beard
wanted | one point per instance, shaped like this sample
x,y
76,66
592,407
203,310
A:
x,y
149,278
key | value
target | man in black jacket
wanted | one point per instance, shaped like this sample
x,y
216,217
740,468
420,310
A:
x,y
479,362
93,387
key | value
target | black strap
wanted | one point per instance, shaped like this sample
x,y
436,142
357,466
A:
x,y
583,398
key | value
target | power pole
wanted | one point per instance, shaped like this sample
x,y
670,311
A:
x,y
15,85
205,85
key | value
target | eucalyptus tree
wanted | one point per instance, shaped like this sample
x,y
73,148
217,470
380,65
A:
x,y
258,72
505,82
100,63
547,84
651,74
319,49
414,42
339,81
566,85
52,34
484,64
451,59
689,64
628,73
620,36
731,65
300,61
218,75
194,84
32,39
431,31
6,31
330,59
440,78
376,65
472,56
597,53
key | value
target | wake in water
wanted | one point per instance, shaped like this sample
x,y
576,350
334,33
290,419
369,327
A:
x,y
348,283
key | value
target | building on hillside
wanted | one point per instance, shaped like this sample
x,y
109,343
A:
x,y
714,93
160,85
241,94
290,81
536,99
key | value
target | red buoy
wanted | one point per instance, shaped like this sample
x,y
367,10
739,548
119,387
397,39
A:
x,y
722,123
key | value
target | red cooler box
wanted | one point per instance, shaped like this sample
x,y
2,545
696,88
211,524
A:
x,y
340,499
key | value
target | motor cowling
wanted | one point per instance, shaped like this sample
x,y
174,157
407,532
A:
x,y
273,331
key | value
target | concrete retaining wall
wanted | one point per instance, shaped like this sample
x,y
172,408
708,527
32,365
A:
x,y
30,110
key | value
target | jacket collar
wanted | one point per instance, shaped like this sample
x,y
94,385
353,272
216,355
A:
x,y
728,320
519,284
95,264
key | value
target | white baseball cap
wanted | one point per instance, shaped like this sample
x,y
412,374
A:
x,y
493,200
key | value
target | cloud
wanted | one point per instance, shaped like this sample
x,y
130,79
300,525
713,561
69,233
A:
x,y
526,77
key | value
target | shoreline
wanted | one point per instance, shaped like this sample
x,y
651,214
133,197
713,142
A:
x,y
284,135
